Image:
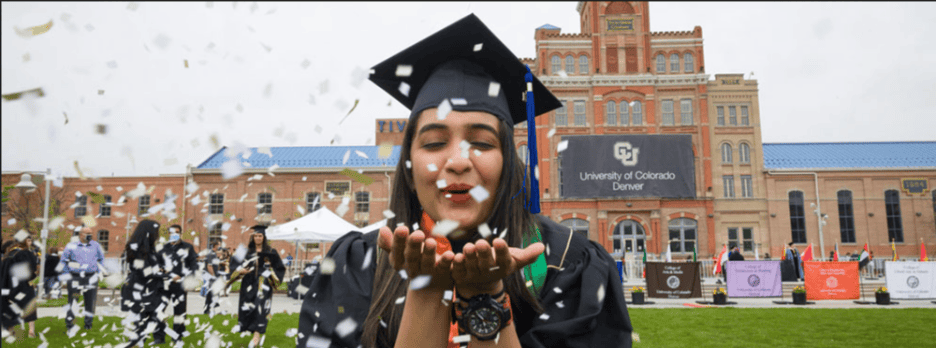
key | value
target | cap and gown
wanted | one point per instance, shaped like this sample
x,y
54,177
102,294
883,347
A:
x,y
466,67
256,291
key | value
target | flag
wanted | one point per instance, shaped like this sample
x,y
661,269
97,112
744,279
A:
x,y
835,256
645,263
807,254
669,254
865,257
718,260
923,252
783,254
894,250
693,255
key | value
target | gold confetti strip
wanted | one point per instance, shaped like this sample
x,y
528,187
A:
x,y
385,150
14,96
186,63
356,101
361,178
33,31
80,174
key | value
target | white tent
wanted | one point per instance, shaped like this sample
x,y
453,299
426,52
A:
x,y
321,225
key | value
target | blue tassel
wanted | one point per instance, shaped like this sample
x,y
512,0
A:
x,y
533,162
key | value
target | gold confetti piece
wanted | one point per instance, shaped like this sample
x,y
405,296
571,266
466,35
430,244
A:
x,y
80,174
33,31
185,61
356,101
101,129
89,221
385,150
14,96
268,48
215,142
364,179
100,92
26,57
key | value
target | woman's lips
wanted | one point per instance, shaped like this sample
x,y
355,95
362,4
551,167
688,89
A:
x,y
457,193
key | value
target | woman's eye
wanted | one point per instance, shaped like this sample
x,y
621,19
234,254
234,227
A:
x,y
482,145
433,145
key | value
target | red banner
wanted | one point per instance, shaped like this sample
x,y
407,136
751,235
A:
x,y
831,280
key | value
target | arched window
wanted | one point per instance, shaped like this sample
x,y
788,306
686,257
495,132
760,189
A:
x,y
682,235
625,113
523,152
846,216
577,225
726,153
674,62
214,233
744,153
797,217
637,110
556,63
894,221
583,65
611,113
661,63
628,237
570,65
687,61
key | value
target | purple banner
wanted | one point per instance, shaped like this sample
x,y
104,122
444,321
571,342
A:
x,y
754,279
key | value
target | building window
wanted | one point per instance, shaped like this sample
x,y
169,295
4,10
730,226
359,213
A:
x,y
106,207
745,120
846,216
746,240
264,203
628,237
144,205
556,64
661,63
747,187
82,208
726,153
216,203
362,202
559,172
523,152
685,112
894,222
570,65
579,113
674,63
562,115
625,113
313,201
577,225
4,209
338,188
721,115
687,61
583,65
797,217
668,117
103,236
732,116
682,235
611,113
636,109
214,233
728,182
744,153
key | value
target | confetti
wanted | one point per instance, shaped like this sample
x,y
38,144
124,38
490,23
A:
x,y
305,63
404,89
347,155
494,89
459,101
400,300
404,70
477,153
551,133
361,178
484,230
162,41
444,227
432,167
133,6
409,165
362,154
562,73
420,282
544,316
441,183
11,222
33,31
231,169
444,109
388,214
479,193
478,46
563,145
557,290
560,304
358,76
385,150
601,293
356,101
461,338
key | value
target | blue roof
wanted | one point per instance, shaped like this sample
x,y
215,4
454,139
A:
x,y
309,157
850,155
548,26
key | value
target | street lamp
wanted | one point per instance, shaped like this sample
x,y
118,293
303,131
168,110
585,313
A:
x,y
26,183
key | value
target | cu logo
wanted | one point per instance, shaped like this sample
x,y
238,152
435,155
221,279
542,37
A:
x,y
753,280
831,282
913,282
625,152
672,282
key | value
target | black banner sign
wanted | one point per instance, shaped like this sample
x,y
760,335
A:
x,y
673,280
628,166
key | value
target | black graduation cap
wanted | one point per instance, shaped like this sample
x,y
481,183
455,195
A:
x,y
260,229
468,66
447,65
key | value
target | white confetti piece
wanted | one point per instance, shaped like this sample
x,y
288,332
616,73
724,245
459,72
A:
x,y
327,266
492,269
563,145
231,169
477,153
562,73
479,193
478,46
404,70
544,316
439,183
11,222
464,146
551,133
388,214
404,89
420,282
403,275
444,109
345,327
459,101
432,167
400,300
409,165
345,158
361,154
367,259
484,230
493,89
461,338
560,304
444,227
557,290
601,293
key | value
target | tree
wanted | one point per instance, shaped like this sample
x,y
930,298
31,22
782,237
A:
x,y
26,207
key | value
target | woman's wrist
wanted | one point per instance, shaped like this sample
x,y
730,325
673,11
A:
x,y
471,290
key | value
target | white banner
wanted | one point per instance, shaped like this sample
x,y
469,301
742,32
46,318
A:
x,y
910,280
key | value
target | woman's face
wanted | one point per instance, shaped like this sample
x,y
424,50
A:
x,y
258,239
438,157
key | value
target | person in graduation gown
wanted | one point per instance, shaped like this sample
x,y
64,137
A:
x,y
490,251
179,261
792,255
17,269
257,284
143,294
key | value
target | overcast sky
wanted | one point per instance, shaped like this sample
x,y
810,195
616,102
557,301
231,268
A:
x,y
827,72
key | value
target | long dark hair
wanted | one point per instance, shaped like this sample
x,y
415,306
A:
x,y
252,247
507,212
144,236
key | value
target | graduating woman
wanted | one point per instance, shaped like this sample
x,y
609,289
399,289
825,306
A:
x,y
469,260
257,284
19,267
143,293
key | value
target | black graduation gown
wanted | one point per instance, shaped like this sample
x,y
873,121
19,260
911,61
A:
x,y
582,320
27,302
253,308
149,287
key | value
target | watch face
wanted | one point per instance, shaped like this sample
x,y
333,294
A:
x,y
484,321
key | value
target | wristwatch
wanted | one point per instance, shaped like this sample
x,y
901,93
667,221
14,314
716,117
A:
x,y
484,316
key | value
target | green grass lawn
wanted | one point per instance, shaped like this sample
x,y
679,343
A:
x,y
664,327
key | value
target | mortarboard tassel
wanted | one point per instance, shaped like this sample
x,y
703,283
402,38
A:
x,y
534,206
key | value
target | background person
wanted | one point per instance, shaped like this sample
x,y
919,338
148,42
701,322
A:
x,y
144,292
180,261
212,263
80,273
51,273
261,271
17,269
